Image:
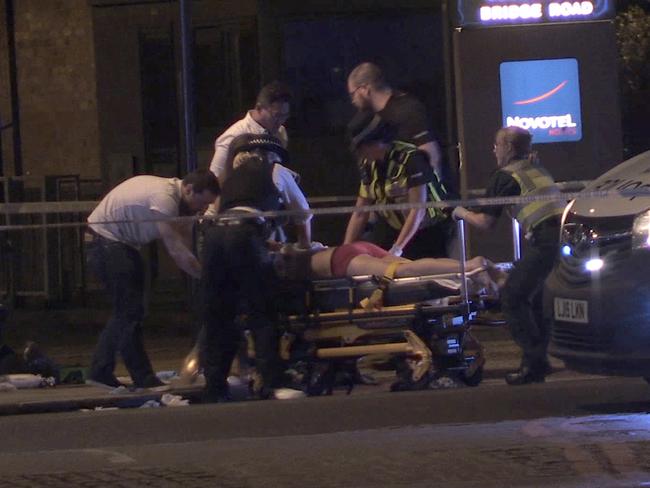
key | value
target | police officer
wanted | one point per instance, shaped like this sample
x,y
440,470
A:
x,y
520,173
396,172
238,276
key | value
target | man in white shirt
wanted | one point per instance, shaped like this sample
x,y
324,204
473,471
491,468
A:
x,y
138,211
271,111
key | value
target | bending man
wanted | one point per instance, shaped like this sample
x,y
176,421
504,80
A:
x,y
133,214
396,172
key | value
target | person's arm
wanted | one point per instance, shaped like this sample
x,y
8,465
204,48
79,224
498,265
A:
x,y
176,240
357,222
303,231
294,199
477,219
501,184
416,194
218,163
432,148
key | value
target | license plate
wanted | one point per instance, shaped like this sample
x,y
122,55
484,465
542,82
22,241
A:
x,y
568,310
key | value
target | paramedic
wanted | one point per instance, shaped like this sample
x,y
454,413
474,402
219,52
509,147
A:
x,y
520,173
396,172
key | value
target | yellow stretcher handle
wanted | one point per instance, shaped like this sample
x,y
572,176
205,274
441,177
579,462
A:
x,y
376,299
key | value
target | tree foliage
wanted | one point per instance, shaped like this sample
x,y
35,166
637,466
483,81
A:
x,y
633,36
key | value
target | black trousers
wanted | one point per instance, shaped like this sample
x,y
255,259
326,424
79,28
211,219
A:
x,y
121,270
237,278
521,299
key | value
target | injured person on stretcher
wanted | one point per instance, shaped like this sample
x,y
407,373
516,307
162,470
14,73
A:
x,y
364,258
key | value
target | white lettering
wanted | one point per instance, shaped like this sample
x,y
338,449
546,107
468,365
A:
x,y
570,9
544,122
511,12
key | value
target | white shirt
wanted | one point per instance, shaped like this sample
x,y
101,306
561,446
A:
x,y
141,198
283,177
247,125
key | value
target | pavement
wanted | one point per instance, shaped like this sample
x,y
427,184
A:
x,y
167,348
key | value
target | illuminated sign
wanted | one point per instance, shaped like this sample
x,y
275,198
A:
x,y
505,12
542,96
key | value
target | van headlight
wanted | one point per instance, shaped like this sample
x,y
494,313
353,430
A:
x,y
641,231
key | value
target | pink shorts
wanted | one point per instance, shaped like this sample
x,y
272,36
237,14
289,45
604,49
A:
x,y
342,255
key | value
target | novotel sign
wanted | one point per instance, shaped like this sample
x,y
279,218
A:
x,y
485,13
543,97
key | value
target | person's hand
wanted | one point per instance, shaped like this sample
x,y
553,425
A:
x,y
459,213
396,251
317,246
274,246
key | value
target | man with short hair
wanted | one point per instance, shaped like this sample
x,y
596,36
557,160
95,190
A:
x,y
138,211
369,91
520,173
271,111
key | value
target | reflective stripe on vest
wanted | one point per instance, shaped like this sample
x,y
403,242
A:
x,y
398,156
533,179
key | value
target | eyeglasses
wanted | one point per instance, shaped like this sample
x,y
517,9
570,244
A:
x,y
353,92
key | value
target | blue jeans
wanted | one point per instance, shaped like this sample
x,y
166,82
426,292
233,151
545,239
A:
x,y
121,270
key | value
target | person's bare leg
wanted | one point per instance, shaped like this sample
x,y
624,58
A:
x,y
433,266
369,265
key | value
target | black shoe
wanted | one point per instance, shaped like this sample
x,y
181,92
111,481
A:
x,y
151,382
525,376
104,381
211,396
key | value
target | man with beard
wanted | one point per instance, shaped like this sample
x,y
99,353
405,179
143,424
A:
x,y
138,211
370,92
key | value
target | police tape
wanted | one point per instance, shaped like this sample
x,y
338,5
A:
x,y
48,208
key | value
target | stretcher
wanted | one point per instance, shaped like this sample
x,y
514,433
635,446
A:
x,y
418,326
420,323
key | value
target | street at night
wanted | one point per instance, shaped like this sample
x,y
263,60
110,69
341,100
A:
x,y
571,431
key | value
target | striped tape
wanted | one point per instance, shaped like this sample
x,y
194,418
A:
x,y
44,208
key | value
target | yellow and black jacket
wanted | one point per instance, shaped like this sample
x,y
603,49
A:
x,y
388,181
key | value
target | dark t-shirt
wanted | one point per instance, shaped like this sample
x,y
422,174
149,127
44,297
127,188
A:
x,y
407,116
501,184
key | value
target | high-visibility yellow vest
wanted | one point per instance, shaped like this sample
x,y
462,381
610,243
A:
x,y
533,179
392,187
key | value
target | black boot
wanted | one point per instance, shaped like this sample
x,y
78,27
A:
x,y
529,374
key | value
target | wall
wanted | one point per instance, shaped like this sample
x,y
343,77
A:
x,y
56,87
479,53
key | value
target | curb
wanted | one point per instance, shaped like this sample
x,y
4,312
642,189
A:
x,y
136,400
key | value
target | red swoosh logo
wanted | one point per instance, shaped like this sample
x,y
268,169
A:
x,y
543,96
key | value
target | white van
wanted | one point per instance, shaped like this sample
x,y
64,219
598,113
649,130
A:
x,y
597,297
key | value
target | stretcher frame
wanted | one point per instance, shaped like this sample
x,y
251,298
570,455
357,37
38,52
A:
x,y
430,336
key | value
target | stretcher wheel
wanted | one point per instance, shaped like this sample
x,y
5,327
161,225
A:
x,y
405,381
473,379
